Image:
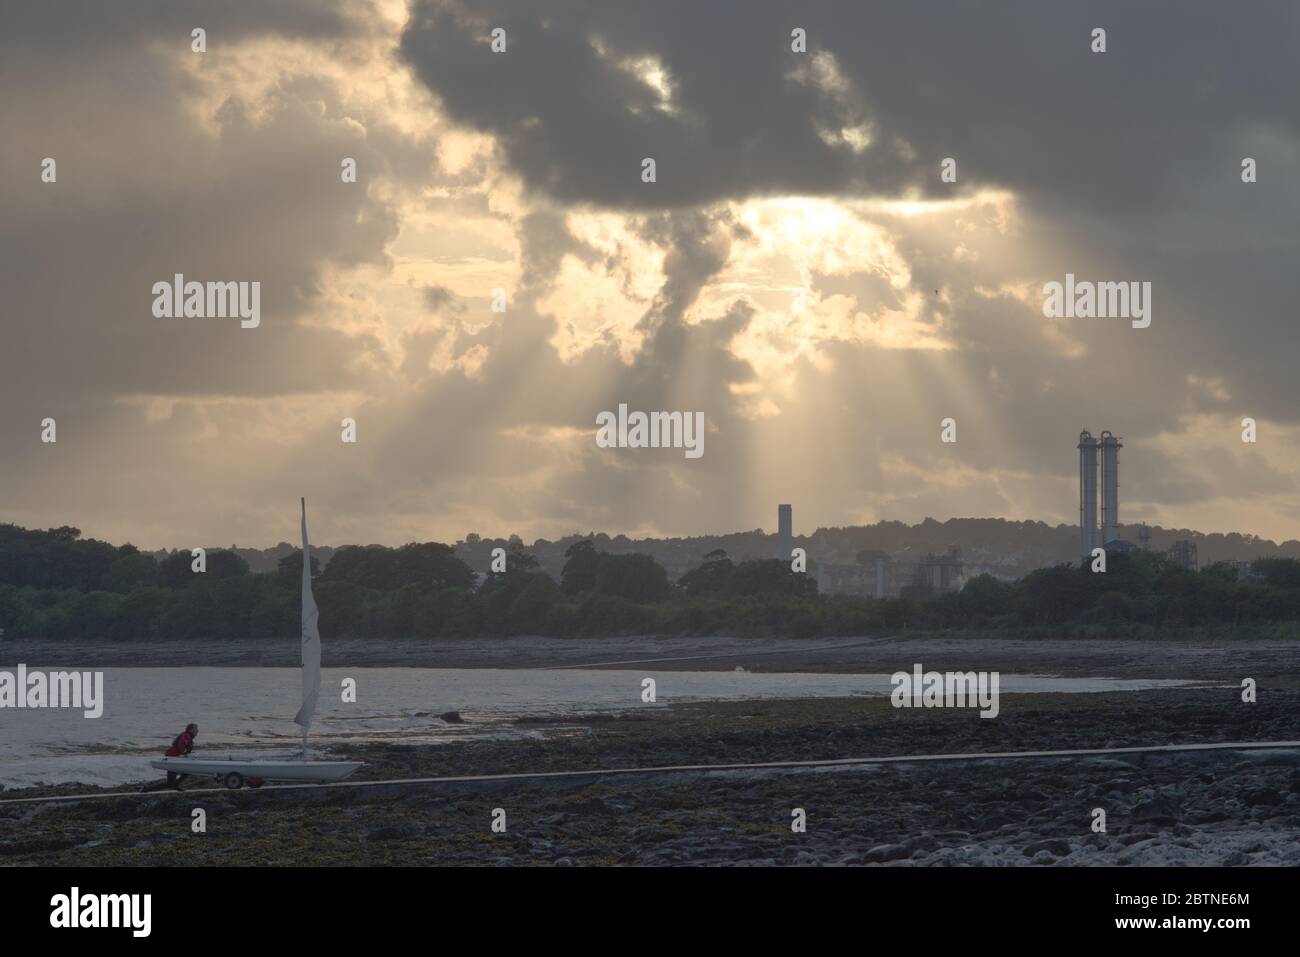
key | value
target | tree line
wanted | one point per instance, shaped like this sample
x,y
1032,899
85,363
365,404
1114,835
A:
x,y
55,584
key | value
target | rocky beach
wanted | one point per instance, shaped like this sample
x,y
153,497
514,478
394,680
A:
x,y
1192,808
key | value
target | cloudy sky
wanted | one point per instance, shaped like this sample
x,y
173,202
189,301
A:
x,y
798,271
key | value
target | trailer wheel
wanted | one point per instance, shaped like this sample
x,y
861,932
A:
x,y
234,780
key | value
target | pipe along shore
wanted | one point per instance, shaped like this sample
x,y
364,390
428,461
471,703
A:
x,y
686,768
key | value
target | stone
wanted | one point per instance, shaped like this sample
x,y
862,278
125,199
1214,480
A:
x,y
1053,846
886,852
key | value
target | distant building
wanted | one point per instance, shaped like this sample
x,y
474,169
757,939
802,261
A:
x,y
1183,554
887,577
845,579
784,532
940,572
1244,570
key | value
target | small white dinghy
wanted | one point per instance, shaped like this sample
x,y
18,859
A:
x,y
234,772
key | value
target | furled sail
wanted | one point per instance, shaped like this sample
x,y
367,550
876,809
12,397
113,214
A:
x,y
310,639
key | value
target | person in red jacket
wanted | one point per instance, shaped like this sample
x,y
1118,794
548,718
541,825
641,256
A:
x,y
182,745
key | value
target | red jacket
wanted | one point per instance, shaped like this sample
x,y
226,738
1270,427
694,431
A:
x,y
182,746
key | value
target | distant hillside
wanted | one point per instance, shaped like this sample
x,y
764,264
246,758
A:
x,y
1002,548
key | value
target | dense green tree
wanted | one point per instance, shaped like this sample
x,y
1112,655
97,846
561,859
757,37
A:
x,y
177,570
235,598
189,616
986,596
605,614
638,578
769,576
431,564
141,613
288,570
343,608
711,577
1277,572
528,609
579,573
16,614
277,614
223,563
130,570
454,611
365,566
57,558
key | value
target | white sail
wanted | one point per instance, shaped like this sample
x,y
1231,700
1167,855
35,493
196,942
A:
x,y
310,640
234,772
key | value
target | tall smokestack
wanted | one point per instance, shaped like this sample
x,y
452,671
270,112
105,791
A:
x,y
1087,495
784,532
1110,447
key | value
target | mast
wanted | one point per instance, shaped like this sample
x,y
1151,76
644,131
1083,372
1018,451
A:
x,y
310,641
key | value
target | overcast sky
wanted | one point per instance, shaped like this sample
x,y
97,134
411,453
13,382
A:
x,y
798,272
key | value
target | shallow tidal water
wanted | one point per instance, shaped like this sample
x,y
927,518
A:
x,y
250,710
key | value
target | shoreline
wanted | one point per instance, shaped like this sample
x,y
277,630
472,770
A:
x,y
1133,658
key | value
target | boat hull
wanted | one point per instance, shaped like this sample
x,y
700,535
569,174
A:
x,y
259,770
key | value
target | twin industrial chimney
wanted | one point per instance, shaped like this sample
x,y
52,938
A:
x,y
1090,536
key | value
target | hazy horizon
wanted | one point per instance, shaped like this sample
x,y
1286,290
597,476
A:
x,y
529,541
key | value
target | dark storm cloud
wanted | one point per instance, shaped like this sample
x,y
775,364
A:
x,y
577,126
1011,90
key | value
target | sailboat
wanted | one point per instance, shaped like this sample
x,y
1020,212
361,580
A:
x,y
235,772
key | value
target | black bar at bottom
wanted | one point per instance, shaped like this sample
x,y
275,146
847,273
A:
x,y
363,905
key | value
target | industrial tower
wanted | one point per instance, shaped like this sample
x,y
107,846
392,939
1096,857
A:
x,y
1090,535
1087,495
1110,447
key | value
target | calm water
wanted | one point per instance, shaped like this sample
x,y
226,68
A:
x,y
251,709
